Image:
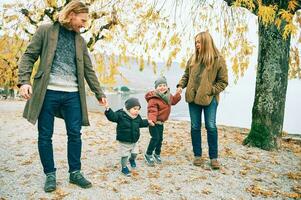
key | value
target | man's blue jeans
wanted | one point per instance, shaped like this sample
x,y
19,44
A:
x,y
195,112
68,104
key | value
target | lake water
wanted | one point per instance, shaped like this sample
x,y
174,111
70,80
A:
x,y
236,102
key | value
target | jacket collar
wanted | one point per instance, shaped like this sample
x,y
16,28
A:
x,y
128,113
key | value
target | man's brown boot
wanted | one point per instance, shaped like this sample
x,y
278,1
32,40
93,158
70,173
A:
x,y
198,161
214,164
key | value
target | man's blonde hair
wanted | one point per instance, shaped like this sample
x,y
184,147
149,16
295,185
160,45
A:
x,y
73,6
208,51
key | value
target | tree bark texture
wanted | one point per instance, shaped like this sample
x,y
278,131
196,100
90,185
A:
x,y
271,86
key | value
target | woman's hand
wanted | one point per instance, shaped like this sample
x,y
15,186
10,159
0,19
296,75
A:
x,y
179,90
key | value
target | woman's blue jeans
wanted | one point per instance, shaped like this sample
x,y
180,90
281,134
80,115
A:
x,y
68,104
195,112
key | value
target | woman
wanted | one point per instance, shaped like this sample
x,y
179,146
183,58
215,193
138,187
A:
x,y
205,77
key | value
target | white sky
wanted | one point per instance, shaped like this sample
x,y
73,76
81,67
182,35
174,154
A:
x,y
5,1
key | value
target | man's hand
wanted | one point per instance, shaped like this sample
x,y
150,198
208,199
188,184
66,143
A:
x,y
103,102
26,91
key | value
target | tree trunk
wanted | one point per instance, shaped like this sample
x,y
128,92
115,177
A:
x,y
271,86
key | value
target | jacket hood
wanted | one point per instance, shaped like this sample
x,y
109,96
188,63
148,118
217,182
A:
x,y
151,94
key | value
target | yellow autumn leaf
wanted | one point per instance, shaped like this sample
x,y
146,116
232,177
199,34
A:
x,y
154,66
51,3
163,44
249,4
278,22
288,30
235,66
267,14
146,47
159,35
11,18
9,5
292,5
285,15
141,63
174,40
155,188
183,63
108,36
294,175
138,5
256,190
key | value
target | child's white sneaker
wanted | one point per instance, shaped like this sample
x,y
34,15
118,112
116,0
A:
x,y
149,160
157,158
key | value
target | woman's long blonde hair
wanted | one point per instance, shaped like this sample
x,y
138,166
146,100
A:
x,y
208,51
73,6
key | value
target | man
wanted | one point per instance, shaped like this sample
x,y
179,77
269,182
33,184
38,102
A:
x,y
58,88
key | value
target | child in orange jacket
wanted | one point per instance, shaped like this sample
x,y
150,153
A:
x,y
158,110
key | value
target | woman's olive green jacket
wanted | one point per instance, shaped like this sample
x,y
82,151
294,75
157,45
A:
x,y
204,83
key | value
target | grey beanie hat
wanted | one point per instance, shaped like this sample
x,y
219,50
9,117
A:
x,y
160,80
132,102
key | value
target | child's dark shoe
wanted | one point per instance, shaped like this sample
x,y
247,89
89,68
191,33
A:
x,y
132,163
125,171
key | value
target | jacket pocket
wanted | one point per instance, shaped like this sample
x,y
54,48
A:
x,y
38,75
190,94
209,89
37,81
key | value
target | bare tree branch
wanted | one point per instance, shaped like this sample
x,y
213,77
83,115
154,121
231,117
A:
x,y
98,35
27,31
50,13
25,12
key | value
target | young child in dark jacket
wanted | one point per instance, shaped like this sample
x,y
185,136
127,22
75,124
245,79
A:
x,y
158,110
128,124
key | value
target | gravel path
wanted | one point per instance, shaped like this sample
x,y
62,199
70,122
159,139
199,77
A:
x,y
247,173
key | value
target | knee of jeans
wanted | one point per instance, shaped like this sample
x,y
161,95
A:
x,y
45,136
211,129
195,128
74,135
44,140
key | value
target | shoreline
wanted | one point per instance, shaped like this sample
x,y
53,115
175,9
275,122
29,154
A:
x,y
20,103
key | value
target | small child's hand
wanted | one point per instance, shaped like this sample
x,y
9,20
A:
x,y
151,123
102,101
106,105
179,90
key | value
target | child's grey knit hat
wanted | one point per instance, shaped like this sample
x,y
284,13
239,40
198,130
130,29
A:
x,y
132,102
160,80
